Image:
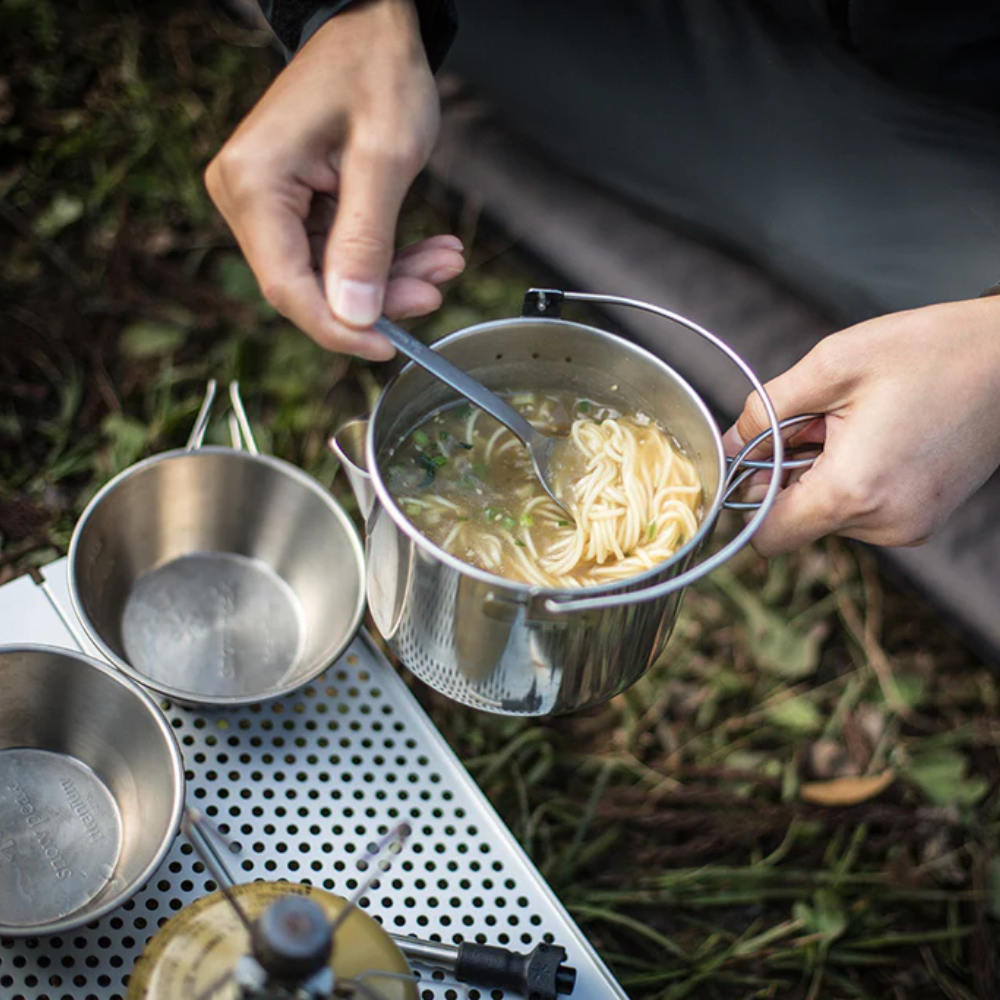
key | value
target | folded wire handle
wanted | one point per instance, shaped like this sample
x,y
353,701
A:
x,y
742,468
239,426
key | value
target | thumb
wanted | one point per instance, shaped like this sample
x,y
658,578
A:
x,y
359,253
814,385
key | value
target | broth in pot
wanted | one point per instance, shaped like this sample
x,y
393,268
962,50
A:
x,y
466,483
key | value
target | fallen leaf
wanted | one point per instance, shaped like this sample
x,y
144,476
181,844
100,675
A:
x,y
942,776
147,339
847,791
797,714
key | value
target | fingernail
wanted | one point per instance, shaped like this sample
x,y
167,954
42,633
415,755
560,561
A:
x,y
357,302
453,243
443,274
731,440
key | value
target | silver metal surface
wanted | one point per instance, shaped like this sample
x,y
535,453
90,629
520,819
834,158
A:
x,y
303,785
499,645
217,623
215,575
542,448
62,836
91,788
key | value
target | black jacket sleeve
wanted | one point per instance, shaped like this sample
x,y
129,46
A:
x,y
296,21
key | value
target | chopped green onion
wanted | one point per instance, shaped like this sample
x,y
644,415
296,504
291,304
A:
x,y
491,514
562,524
463,444
430,470
480,469
527,521
584,406
419,437
652,530
463,411
518,542
444,435
509,523
439,460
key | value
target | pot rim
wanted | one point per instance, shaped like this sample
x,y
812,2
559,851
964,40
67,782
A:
x,y
177,781
182,695
705,528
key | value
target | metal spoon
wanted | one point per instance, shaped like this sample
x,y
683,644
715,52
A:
x,y
541,447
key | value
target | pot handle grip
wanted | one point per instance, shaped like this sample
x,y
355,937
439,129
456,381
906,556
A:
x,y
239,426
545,302
742,468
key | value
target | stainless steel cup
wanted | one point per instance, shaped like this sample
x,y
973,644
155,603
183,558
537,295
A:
x,y
507,647
91,789
217,576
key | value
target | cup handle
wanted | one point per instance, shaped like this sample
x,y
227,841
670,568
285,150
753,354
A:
x,y
239,425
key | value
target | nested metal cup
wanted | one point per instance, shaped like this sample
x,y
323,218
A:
x,y
508,647
217,576
91,794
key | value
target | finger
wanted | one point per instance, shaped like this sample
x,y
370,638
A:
x,y
816,384
432,264
373,182
409,297
443,241
275,243
802,513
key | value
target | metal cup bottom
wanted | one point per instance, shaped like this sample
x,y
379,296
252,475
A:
x,y
60,836
214,622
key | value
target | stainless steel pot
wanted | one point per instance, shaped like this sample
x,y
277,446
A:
x,y
507,647
217,576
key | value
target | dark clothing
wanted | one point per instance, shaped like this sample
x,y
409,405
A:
x,y
945,47
850,147
296,21
758,131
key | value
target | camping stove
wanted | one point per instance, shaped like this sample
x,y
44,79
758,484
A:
x,y
300,790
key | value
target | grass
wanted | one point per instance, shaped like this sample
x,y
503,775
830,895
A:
x,y
799,800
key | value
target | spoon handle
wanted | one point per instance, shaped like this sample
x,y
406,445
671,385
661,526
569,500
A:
x,y
464,384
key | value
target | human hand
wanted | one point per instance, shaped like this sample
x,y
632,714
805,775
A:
x,y
911,428
312,180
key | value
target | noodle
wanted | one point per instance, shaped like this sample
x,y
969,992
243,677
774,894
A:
x,y
636,497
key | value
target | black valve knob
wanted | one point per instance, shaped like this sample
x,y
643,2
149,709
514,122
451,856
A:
x,y
291,939
539,975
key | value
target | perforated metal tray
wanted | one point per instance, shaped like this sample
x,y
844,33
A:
x,y
302,786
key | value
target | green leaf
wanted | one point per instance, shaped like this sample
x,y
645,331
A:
x,y
127,439
825,917
238,282
62,211
942,776
151,340
776,646
797,714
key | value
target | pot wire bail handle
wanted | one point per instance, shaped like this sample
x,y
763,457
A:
x,y
239,426
545,302
742,468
